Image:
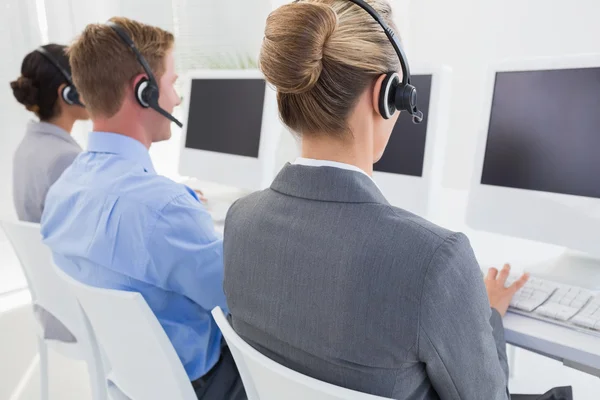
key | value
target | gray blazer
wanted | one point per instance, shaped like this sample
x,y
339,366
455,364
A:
x,y
42,156
324,276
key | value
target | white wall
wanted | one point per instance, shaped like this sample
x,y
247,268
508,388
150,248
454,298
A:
x,y
207,31
20,34
67,18
469,34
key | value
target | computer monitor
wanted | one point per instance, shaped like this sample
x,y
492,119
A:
x,y
537,165
412,164
231,128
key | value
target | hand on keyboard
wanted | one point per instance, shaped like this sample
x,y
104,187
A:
x,y
570,305
499,294
533,294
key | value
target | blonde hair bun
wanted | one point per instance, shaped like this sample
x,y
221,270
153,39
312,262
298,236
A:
x,y
292,53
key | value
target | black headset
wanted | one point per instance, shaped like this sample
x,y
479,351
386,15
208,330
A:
x,y
69,93
146,91
395,95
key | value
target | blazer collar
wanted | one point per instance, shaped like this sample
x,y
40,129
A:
x,y
327,184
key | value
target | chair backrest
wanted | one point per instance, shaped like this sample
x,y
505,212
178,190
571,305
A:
x,y
47,289
143,362
264,379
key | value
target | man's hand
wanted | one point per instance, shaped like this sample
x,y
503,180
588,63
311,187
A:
x,y
499,295
200,195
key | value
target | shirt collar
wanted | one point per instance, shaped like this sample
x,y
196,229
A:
x,y
121,145
311,162
47,128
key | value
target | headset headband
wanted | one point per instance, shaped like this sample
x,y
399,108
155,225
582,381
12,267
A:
x,y
55,62
125,37
391,35
397,94
148,95
69,92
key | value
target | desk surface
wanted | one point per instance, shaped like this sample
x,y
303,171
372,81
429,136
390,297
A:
x,y
575,349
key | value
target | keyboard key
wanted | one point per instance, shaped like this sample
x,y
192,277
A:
x,y
589,317
564,303
532,295
557,311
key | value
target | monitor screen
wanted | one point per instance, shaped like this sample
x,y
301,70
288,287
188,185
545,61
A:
x,y
544,132
405,151
225,116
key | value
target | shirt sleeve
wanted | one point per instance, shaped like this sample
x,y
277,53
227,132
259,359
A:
x,y
186,254
461,340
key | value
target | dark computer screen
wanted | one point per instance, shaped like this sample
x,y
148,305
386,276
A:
x,y
225,116
405,151
544,132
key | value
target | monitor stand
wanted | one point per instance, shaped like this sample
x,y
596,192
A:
x,y
571,268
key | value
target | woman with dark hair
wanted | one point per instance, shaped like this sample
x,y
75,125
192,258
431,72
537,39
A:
x,y
46,89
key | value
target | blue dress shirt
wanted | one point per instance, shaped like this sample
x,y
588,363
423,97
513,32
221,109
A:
x,y
112,222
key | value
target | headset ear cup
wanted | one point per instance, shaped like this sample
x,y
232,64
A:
x,y
67,95
406,98
387,105
141,93
71,96
74,96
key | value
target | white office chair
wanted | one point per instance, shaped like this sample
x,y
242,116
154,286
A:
x,y
50,294
142,362
264,379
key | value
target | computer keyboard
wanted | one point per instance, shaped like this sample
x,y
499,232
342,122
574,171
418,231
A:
x,y
550,301
533,294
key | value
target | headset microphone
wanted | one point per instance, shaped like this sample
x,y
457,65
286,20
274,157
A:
x,y
418,117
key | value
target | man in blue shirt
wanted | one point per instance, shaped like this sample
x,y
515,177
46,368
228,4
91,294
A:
x,y
112,222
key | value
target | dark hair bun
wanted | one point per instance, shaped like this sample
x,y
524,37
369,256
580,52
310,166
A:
x,y
25,91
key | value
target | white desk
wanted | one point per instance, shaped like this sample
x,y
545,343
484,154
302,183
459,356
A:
x,y
574,349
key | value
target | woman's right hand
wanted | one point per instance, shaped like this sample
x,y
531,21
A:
x,y
499,295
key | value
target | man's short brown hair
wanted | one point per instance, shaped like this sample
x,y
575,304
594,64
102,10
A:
x,y
103,65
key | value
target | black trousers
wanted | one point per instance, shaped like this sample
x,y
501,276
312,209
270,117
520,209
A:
x,y
222,382
562,393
